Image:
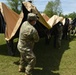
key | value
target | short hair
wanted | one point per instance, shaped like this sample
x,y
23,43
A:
x,y
31,17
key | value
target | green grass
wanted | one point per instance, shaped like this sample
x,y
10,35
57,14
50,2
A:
x,y
50,61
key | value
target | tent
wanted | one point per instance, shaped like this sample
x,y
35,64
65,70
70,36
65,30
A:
x,y
41,24
33,9
10,18
45,16
70,20
54,20
64,21
59,19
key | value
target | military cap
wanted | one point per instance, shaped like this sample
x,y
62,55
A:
x,y
31,16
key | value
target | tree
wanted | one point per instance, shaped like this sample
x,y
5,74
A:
x,y
15,5
53,8
72,15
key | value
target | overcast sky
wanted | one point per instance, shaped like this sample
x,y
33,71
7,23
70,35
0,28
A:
x,y
68,6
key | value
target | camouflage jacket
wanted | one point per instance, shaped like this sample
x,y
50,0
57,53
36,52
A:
x,y
27,37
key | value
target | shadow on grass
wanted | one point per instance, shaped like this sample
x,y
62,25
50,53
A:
x,y
4,50
48,58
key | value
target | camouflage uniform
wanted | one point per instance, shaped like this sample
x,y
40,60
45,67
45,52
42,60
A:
x,y
28,36
59,35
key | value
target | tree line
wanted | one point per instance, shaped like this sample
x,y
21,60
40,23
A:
x,y
53,7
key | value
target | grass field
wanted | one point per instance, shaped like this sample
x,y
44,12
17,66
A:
x,y
50,61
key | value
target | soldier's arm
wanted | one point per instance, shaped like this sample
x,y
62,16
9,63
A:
x,y
35,36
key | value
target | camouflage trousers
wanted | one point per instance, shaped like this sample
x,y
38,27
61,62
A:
x,y
59,39
27,61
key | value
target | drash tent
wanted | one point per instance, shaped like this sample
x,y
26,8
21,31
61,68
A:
x,y
54,20
64,21
45,16
70,20
59,19
41,24
33,9
10,19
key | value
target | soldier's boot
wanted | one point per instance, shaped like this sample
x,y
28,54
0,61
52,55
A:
x,y
21,69
27,74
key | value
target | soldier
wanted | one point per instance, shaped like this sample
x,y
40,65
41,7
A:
x,y
59,35
27,38
57,31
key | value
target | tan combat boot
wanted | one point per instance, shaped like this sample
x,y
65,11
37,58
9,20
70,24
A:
x,y
21,69
28,74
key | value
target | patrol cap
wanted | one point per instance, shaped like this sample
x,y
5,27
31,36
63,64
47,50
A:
x,y
31,16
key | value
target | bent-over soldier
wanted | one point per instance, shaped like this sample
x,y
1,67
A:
x,y
27,38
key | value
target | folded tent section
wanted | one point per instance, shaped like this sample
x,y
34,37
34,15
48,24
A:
x,y
59,19
70,20
41,24
64,21
10,18
52,20
45,16
33,9
14,21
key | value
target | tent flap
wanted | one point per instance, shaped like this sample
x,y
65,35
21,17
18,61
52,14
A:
x,y
10,18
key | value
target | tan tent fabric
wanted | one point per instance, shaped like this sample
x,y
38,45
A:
x,y
52,20
1,8
59,19
70,20
30,7
17,24
45,16
63,21
10,18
